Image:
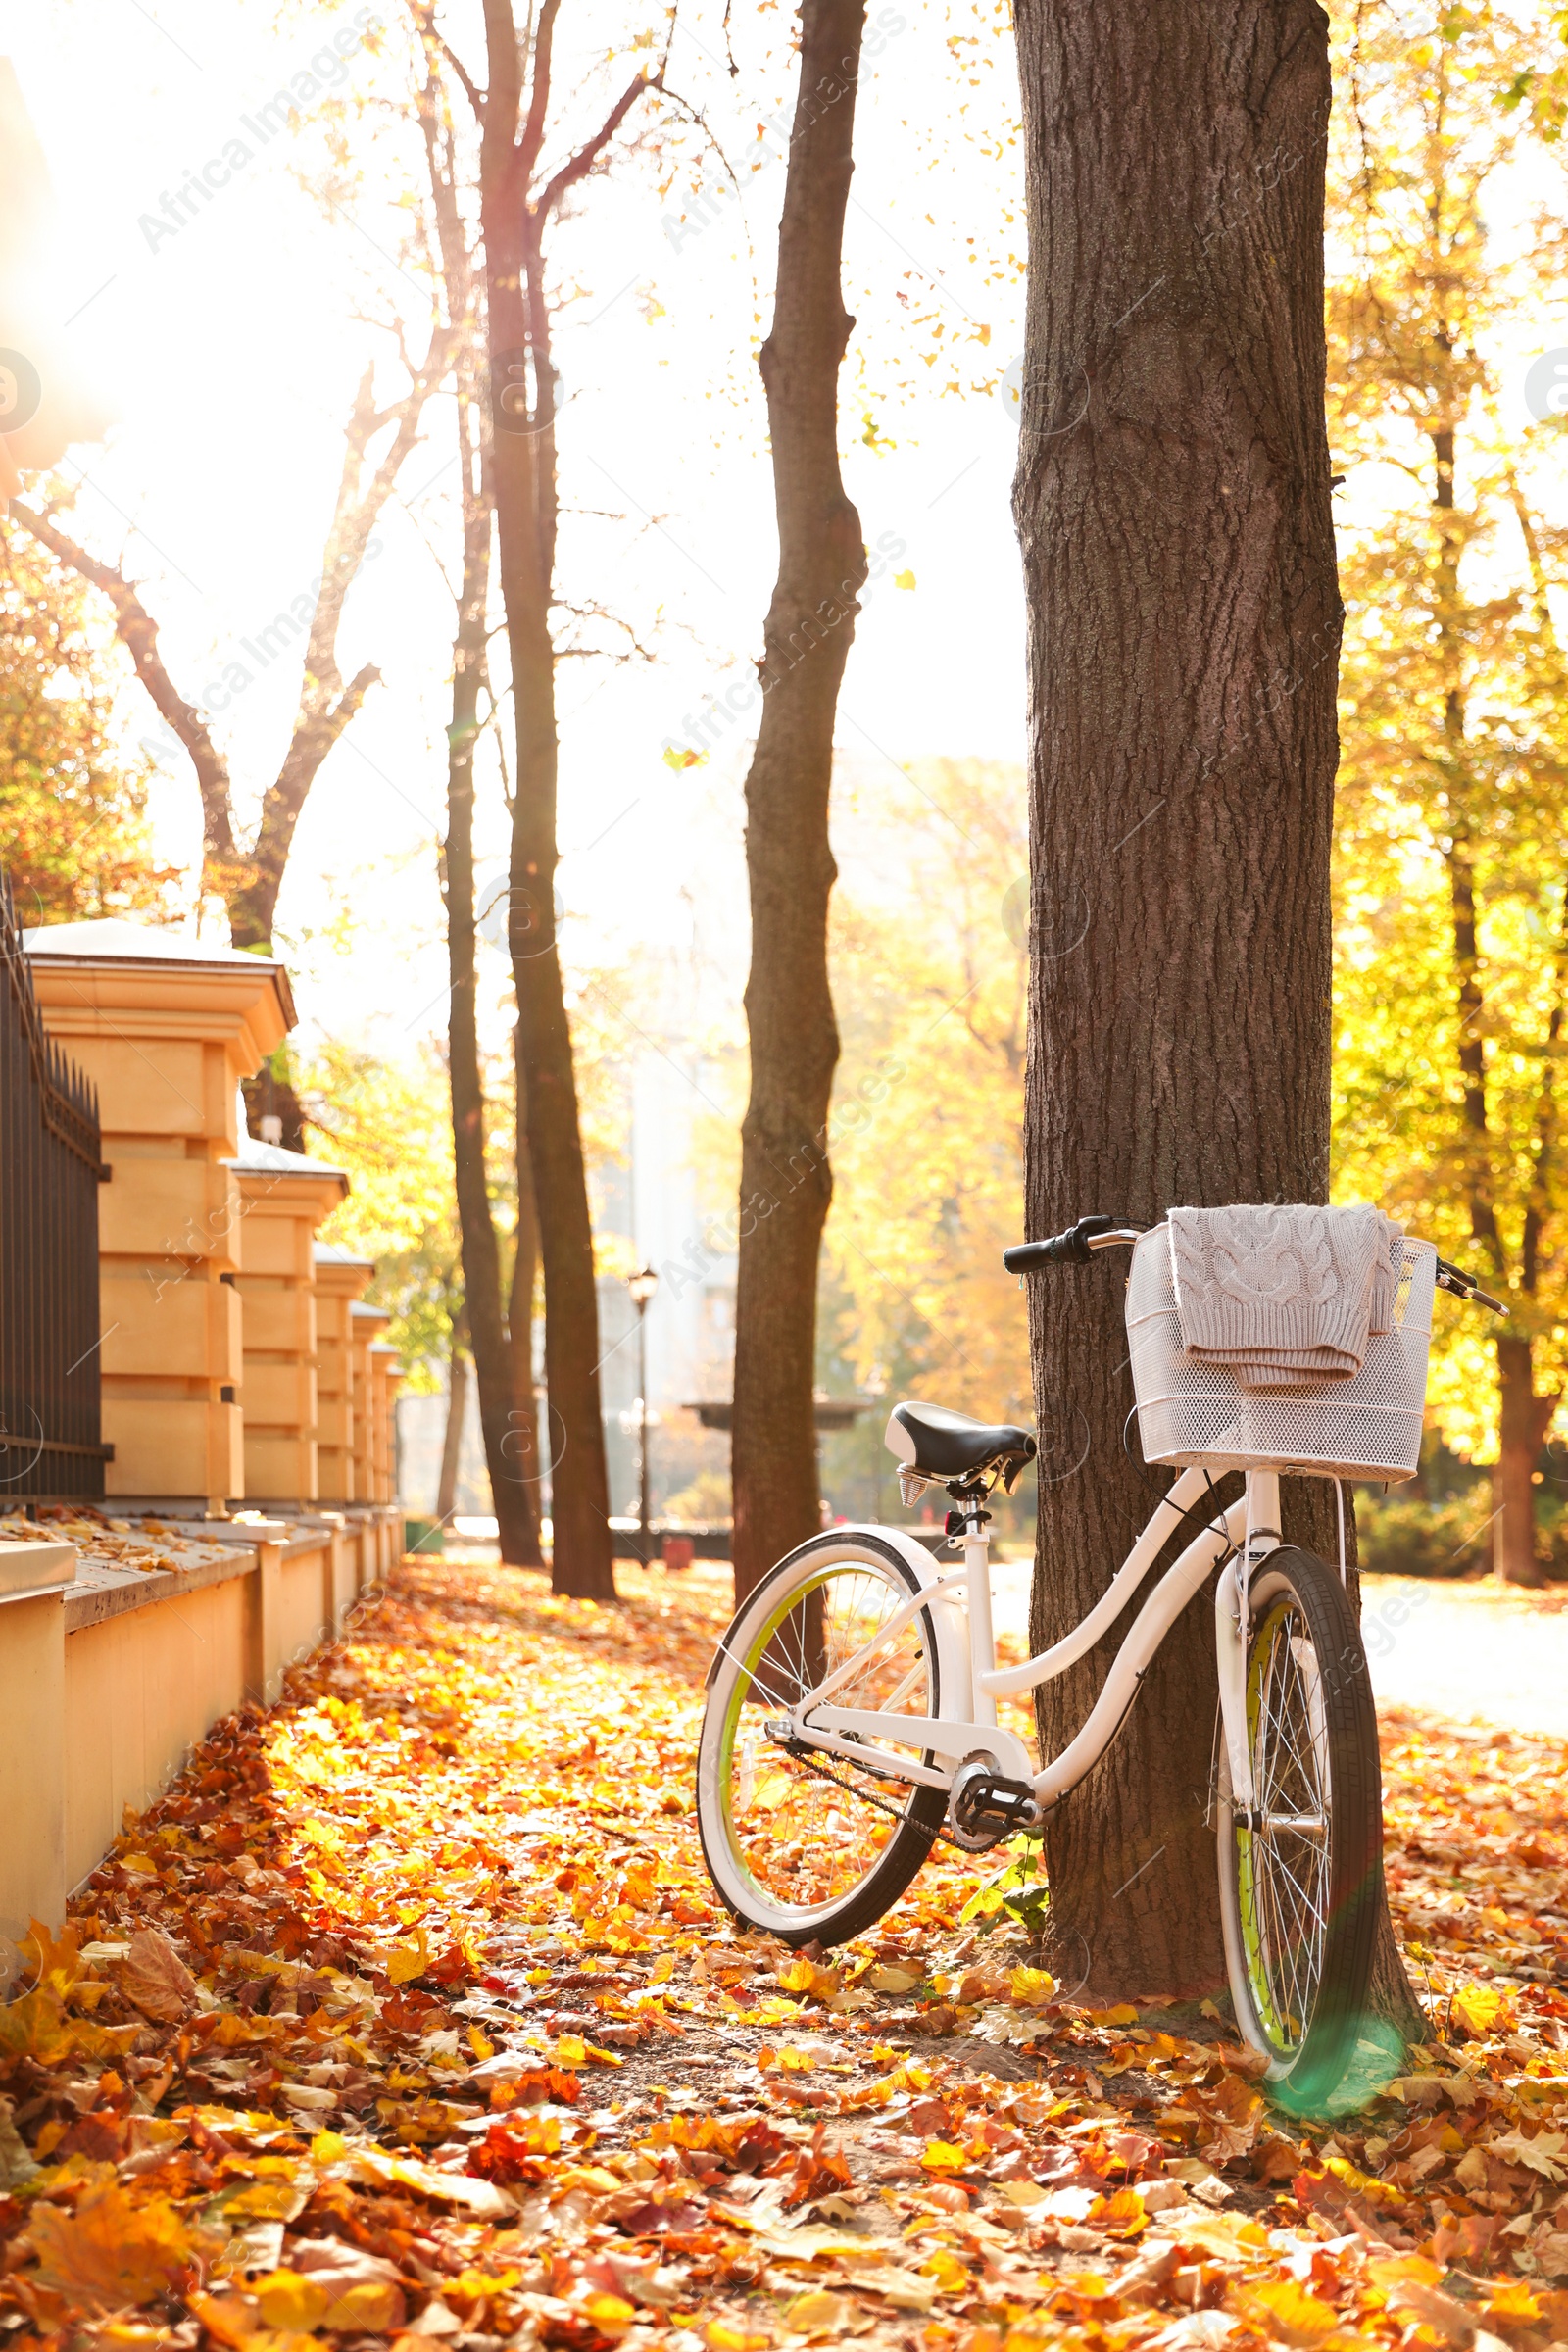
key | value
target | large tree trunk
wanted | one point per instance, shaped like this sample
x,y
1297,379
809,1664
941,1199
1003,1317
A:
x,y
1172,502
514,1496
1524,1419
786,1183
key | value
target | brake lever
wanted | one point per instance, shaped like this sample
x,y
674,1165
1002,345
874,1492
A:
x,y
1461,1285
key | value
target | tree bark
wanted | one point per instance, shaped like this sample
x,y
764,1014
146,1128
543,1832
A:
x,y
1172,504
786,1183
445,1493
1524,1419
516,219
513,1491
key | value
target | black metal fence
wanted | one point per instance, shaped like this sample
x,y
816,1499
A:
x,y
50,1168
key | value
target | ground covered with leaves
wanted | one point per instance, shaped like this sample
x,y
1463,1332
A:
x,y
408,2014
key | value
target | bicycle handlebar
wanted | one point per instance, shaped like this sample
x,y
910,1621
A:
x,y
1069,1248
1078,1244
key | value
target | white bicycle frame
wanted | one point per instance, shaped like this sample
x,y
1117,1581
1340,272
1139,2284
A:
x,y
970,1681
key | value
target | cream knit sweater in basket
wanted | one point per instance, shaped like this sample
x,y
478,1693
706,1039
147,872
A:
x,y
1285,1298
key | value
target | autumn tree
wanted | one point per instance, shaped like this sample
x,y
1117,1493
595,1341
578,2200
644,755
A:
x,y
524,184
498,1319
786,1181
1452,876
74,830
926,1131
1172,504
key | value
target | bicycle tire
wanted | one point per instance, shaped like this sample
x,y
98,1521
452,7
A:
x,y
736,1850
1299,1908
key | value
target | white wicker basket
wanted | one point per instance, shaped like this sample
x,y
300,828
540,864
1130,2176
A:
x,y
1199,1414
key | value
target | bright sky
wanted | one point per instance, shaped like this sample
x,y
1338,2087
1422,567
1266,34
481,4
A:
x,y
232,347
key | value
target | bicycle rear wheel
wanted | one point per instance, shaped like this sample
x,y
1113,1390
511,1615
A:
x,y
1299,1873
815,1847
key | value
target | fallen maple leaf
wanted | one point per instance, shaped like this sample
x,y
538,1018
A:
x,y
155,1979
1482,2009
109,2252
1291,2313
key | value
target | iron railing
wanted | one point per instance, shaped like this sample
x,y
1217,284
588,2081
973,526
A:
x,y
51,1165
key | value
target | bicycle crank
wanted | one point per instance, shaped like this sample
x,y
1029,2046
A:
x,y
983,1805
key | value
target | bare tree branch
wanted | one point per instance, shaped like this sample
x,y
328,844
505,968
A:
x,y
583,162
138,631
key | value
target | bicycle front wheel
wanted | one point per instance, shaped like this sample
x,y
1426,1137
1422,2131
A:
x,y
1299,1870
813,1847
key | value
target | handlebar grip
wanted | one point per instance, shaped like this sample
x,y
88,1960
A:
x,y
1069,1248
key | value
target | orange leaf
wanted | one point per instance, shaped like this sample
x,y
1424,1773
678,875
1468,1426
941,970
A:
x,y
1120,2216
1292,2314
110,2252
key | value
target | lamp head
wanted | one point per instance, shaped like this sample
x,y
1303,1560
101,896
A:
x,y
642,1286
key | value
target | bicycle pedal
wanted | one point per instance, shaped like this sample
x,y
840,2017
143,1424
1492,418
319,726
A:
x,y
986,1806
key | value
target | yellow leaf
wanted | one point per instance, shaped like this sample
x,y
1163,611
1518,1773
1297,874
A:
x,y
1030,1985
110,2252
884,1979
1293,2314
1124,2014
940,2156
1482,2009
1024,2192
610,2314
818,2313
1392,2270
1513,2300
720,2335
289,2301
663,1970
570,2051
53,1965
903,579
409,1960
36,2028
952,2276
481,2047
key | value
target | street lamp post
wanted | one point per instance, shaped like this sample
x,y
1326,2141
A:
x,y
642,1286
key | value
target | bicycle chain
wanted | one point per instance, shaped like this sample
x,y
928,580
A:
x,y
796,1756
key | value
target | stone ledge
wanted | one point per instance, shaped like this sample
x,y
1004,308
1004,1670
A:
x,y
101,1592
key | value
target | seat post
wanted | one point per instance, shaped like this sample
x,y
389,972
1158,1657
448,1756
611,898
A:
x,y
977,1592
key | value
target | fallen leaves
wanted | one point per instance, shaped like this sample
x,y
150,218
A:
x,y
408,2015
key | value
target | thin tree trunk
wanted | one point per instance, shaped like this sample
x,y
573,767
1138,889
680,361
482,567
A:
x,y
786,1183
1524,1419
445,1493
530,1447
1172,503
513,1497
522,385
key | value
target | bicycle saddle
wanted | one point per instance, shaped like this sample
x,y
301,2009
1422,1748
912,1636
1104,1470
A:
x,y
943,1445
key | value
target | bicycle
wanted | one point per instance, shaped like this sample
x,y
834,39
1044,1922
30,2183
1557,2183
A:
x,y
851,1719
